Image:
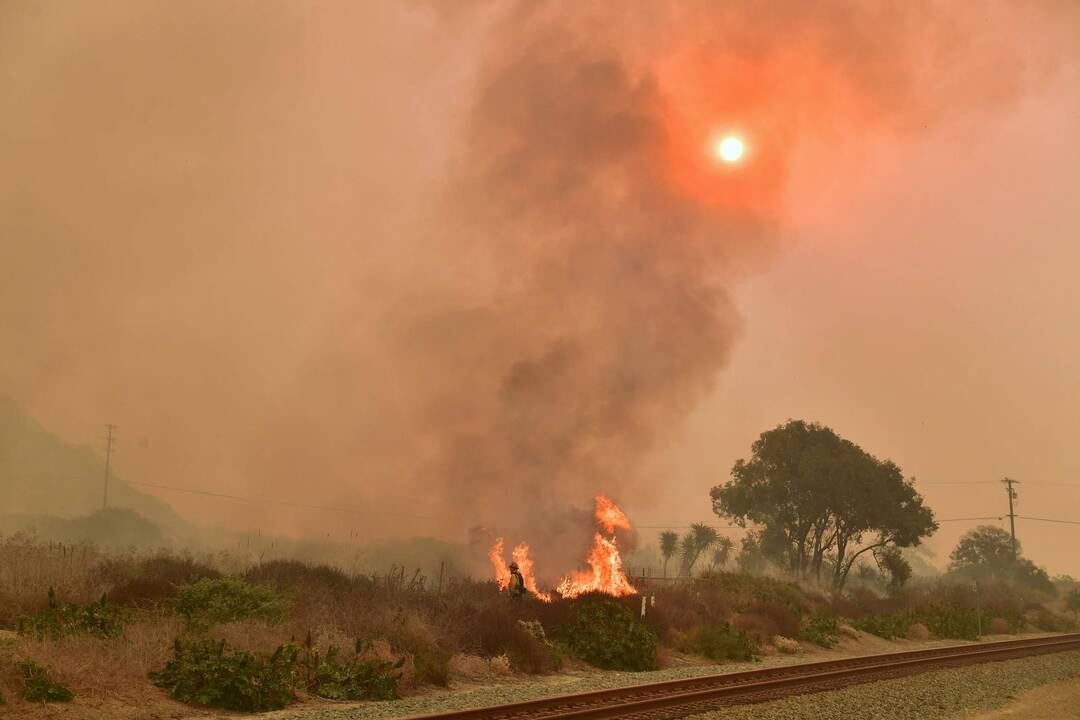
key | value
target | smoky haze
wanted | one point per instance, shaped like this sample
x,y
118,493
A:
x,y
455,268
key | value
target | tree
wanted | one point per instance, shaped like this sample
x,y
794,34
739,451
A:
x,y
986,554
1072,602
892,564
722,552
697,541
669,543
821,501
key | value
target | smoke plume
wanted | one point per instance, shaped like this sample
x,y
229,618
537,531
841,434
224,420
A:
x,y
451,267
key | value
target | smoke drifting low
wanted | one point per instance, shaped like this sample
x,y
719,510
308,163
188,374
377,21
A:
x,y
480,281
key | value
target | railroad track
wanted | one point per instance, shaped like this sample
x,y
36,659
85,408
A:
x,y
678,698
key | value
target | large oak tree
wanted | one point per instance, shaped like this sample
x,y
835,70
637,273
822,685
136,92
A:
x,y
819,502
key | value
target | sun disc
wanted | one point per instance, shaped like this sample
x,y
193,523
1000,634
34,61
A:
x,y
729,149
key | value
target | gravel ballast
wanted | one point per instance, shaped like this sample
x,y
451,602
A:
x,y
934,695
937,694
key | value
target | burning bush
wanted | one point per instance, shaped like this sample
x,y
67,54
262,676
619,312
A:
x,y
605,633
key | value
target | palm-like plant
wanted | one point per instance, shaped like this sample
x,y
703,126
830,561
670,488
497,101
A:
x,y
698,540
722,552
669,543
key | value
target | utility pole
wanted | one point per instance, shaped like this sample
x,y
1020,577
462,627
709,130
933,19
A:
x,y
109,429
1009,482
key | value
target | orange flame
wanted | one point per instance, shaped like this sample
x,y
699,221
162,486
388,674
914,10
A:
x,y
525,567
609,515
502,572
606,574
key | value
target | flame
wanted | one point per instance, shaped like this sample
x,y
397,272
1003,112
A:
x,y
606,572
502,572
525,567
609,515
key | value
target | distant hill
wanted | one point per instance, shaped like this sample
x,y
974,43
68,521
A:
x,y
43,475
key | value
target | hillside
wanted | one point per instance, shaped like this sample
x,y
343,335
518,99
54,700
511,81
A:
x,y
41,474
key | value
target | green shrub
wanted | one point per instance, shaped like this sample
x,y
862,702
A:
x,y
100,619
721,642
210,673
208,601
605,633
821,630
950,621
38,686
887,626
331,676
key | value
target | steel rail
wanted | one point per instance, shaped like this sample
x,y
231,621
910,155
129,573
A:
x,y
678,698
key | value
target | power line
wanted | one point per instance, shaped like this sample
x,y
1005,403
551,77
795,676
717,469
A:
x,y
271,501
1052,520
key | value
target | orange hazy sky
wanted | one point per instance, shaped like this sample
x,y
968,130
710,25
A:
x,y
428,259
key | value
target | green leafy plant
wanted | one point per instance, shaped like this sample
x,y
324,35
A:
x,y
721,642
99,619
822,630
38,686
884,625
208,601
210,673
605,633
330,675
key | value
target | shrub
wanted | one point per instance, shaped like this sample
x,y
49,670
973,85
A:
x,y
820,630
720,642
99,619
785,645
605,633
432,665
38,686
356,678
918,631
999,626
950,621
295,575
1047,621
523,642
208,601
210,673
885,626
154,579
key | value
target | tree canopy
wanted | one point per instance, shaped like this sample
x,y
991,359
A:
x,y
986,554
819,502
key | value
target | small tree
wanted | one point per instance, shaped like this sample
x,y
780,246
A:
x,y
697,541
722,552
669,544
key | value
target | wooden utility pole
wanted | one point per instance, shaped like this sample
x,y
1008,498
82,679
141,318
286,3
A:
x,y
109,429
1009,482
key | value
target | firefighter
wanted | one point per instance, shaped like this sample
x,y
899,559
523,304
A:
x,y
517,583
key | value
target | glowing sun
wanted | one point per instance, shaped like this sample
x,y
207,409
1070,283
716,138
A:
x,y
729,149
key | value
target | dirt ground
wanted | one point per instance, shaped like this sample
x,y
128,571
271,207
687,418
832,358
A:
x,y
1059,701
